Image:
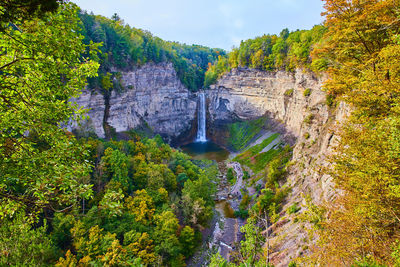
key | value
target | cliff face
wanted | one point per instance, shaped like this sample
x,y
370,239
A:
x,y
283,97
248,94
153,97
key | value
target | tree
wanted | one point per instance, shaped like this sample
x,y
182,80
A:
x,y
142,206
116,166
141,246
187,239
21,245
362,46
13,11
167,243
42,68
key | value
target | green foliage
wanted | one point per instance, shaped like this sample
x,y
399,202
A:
x,y
309,118
307,92
165,234
15,11
289,92
251,247
271,52
254,150
23,245
146,219
329,100
362,48
243,214
244,203
187,239
197,201
41,69
231,176
241,133
255,160
293,208
215,71
125,47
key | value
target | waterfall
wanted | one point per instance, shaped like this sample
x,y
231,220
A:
x,y
201,123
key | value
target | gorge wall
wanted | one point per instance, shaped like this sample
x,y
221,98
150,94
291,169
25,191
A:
x,y
153,97
296,103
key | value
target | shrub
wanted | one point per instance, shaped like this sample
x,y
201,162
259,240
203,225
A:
x,y
289,92
293,208
329,100
245,202
307,92
241,213
308,119
306,135
230,176
246,175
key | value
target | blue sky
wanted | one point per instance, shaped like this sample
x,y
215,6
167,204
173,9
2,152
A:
x,y
214,23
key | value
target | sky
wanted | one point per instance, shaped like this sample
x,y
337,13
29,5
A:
x,y
213,23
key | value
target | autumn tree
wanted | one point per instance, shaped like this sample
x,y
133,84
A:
x,y
142,206
362,48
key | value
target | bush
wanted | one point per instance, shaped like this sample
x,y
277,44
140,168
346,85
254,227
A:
x,y
307,92
309,119
289,92
306,135
245,202
230,176
243,214
293,208
329,100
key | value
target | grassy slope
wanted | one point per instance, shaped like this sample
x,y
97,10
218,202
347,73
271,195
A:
x,y
256,160
241,133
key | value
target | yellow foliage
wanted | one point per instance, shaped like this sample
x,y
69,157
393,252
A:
x,y
142,206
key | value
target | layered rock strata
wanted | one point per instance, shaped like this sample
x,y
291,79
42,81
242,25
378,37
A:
x,y
153,97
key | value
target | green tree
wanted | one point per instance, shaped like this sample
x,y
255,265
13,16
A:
x,y
187,240
22,245
15,11
167,243
42,68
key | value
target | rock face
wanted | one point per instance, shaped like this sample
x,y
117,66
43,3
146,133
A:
x,y
153,97
93,101
297,102
249,94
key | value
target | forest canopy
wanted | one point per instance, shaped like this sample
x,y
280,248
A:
x,y
286,51
124,47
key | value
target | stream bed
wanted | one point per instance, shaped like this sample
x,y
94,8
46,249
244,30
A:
x,y
224,232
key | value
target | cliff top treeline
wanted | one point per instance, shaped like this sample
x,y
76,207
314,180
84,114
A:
x,y
286,51
124,47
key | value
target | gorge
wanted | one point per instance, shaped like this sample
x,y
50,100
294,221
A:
x,y
155,97
119,148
